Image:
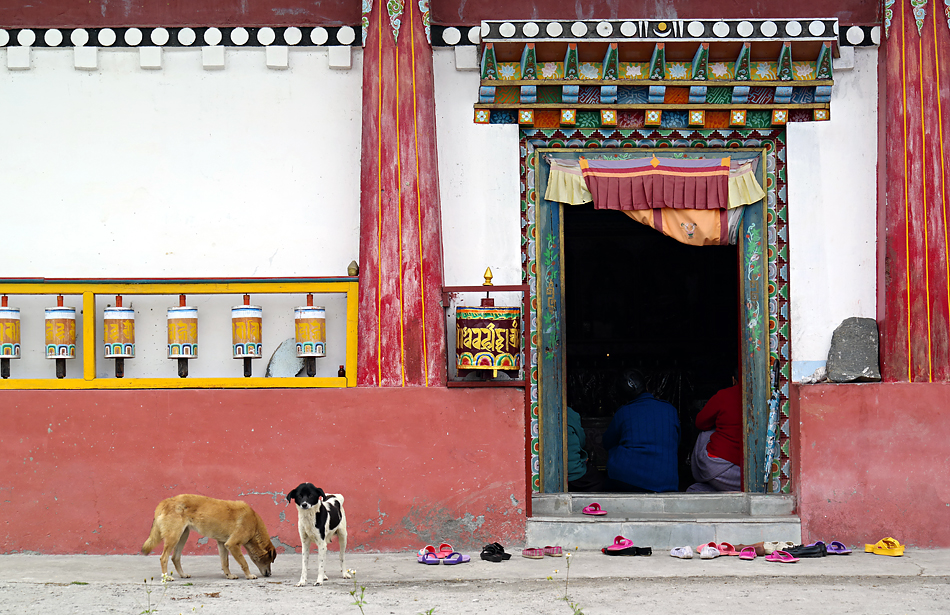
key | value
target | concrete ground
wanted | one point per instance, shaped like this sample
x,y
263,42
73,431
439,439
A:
x,y
918,582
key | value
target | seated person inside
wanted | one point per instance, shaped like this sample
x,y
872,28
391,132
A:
x,y
642,440
717,460
582,474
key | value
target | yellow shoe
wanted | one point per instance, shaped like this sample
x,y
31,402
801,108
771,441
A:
x,y
885,546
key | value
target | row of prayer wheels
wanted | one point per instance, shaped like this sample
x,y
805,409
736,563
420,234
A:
x,y
119,334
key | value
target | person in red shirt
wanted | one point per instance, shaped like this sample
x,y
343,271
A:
x,y
717,459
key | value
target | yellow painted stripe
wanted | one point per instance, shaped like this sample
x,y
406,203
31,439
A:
x,y
402,316
379,195
906,196
88,336
923,181
943,165
352,332
415,131
173,383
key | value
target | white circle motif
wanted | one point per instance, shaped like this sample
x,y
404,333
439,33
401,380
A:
x,y
159,36
53,38
240,36
4,37
266,36
213,36
696,29
451,36
721,29
855,35
26,37
107,37
507,29
293,35
554,29
793,28
768,29
745,29
319,36
475,35
579,29
816,28
79,37
531,29
133,36
876,35
346,35
187,36
604,28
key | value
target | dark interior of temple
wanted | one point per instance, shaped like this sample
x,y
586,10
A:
x,y
637,298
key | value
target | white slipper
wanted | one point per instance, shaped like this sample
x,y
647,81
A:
x,y
682,552
709,553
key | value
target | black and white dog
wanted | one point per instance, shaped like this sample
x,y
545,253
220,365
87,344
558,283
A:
x,y
319,518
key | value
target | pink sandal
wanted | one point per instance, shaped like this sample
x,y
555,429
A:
x,y
747,553
783,557
727,549
594,509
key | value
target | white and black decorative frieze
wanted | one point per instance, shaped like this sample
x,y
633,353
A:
x,y
180,37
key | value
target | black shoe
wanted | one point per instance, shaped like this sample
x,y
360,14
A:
x,y
490,554
815,550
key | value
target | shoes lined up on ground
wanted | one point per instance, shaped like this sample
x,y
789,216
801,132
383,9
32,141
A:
x,y
539,553
708,552
594,509
815,549
449,559
682,552
780,556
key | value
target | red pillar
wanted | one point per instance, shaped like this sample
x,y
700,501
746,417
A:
x,y
916,331
402,325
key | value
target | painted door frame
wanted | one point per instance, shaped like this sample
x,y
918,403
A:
x,y
551,358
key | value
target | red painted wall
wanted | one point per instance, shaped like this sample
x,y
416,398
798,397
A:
x,y
872,461
69,13
82,471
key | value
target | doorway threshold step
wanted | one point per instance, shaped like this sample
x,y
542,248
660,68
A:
x,y
662,521
751,504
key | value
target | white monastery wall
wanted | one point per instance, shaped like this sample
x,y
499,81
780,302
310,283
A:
x,y
832,213
245,171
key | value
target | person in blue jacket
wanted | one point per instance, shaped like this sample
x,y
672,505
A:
x,y
642,440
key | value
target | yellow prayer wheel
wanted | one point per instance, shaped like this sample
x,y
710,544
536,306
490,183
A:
x,y
310,331
60,332
488,338
118,333
9,332
246,336
183,332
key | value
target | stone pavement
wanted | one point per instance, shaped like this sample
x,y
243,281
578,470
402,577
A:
x,y
396,583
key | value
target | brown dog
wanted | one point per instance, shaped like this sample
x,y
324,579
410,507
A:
x,y
230,523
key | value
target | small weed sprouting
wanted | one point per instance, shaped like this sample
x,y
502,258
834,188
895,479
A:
x,y
153,608
575,607
358,592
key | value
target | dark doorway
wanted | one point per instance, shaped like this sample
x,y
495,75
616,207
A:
x,y
637,298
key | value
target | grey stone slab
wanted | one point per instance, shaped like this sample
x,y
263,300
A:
x,y
853,356
771,505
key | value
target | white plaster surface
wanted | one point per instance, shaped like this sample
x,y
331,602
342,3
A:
x,y
832,205
180,172
479,183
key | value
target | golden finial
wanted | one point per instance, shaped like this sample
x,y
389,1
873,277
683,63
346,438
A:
x,y
488,277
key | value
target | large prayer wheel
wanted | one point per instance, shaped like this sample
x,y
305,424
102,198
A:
x,y
60,332
118,333
183,332
9,332
488,338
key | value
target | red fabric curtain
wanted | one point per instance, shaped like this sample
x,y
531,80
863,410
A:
x,y
649,183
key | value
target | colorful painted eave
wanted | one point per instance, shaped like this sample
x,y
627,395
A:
x,y
630,73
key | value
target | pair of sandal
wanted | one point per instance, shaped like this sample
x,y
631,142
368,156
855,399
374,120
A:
x,y
449,560
885,546
445,549
538,553
494,552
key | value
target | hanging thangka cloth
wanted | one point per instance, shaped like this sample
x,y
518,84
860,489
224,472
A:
x,y
647,183
694,227
566,183
744,188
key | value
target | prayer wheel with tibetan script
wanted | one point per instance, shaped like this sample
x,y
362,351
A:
x,y
9,336
488,338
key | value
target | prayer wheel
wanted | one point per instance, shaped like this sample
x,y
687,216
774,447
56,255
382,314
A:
x,y
9,336
60,335
183,335
246,335
183,332
118,333
310,333
488,338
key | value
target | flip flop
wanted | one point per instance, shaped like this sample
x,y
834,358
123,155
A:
x,y
455,558
533,553
445,549
771,546
429,558
628,551
490,554
426,549
726,549
747,553
594,509
885,546
838,548
554,551
620,543
708,544
783,557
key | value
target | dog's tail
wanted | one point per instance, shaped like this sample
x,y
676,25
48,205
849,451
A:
x,y
154,537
